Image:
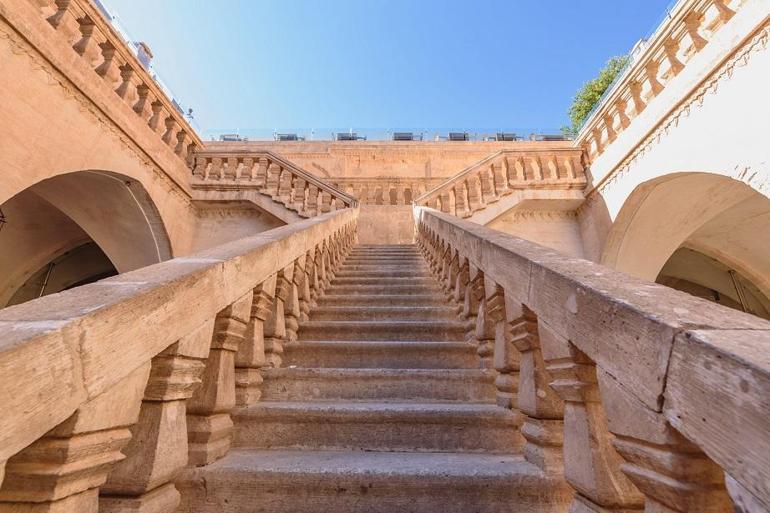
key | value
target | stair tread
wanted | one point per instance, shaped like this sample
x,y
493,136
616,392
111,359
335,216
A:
x,y
439,465
475,411
448,373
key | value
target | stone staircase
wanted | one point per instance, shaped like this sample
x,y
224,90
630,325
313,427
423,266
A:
x,y
380,406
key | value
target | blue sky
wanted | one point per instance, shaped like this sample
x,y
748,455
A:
x,y
383,63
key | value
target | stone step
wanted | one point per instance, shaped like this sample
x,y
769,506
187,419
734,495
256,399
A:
x,y
381,354
391,251
406,262
424,299
373,426
382,330
403,385
378,313
385,289
369,482
426,281
378,272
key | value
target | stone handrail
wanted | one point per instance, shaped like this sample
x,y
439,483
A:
x,y
271,175
583,351
498,175
80,24
687,30
175,340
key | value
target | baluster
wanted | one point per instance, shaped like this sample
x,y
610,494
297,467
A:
x,y
109,69
620,108
591,464
201,165
487,185
88,46
271,184
63,470
484,333
444,203
143,106
65,20
636,94
519,171
158,119
326,201
475,200
209,426
292,310
692,23
261,175
229,168
597,136
725,13
609,127
400,197
275,325
670,48
127,90
215,171
157,452
250,358
651,71
172,127
671,472
248,170
182,139
312,200
461,201
501,178
298,194
305,289
284,187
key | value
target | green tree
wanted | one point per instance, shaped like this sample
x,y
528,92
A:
x,y
591,92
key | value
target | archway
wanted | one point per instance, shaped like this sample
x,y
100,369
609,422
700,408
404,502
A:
x,y
74,228
702,233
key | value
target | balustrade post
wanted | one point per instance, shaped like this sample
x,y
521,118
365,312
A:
x,y
475,198
209,426
501,178
486,178
127,91
143,106
461,200
157,452
272,180
62,471
620,107
306,288
158,119
229,168
672,473
284,187
591,464
298,194
292,310
250,358
651,71
326,202
519,171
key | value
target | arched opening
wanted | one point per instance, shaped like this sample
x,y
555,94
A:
x,y
701,233
73,229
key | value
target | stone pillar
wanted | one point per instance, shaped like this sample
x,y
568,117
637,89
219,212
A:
x,y
157,452
591,464
275,324
209,426
62,471
672,473
250,357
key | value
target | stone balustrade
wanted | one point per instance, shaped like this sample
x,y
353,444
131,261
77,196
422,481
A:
x,y
502,173
389,190
80,25
110,389
640,396
687,30
269,175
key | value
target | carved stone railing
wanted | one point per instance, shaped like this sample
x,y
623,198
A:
x,y
104,55
269,175
385,190
107,391
640,396
687,30
502,173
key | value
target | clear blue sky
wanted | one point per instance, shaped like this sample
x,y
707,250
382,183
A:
x,y
383,63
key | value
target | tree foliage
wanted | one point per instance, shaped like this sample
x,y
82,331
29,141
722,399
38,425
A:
x,y
591,92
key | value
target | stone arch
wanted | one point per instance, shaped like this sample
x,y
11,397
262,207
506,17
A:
x,y
59,214
713,215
